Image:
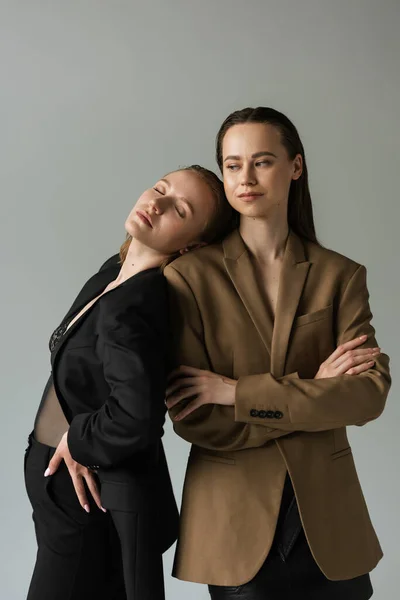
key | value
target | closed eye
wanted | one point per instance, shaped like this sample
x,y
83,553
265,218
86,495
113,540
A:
x,y
158,191
180,212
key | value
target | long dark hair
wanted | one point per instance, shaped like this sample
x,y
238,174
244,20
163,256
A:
x,y
300,212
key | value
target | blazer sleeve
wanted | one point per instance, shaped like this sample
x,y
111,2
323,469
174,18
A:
x,y
322,404
132,418
211,426
305,405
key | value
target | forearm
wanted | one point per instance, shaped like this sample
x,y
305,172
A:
x,y
104,439
293,404
213,427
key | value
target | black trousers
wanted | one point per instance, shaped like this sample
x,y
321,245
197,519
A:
x,y
292,574
83,555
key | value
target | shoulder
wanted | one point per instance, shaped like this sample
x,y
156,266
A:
x,y
112,262
146,290
197,262
141,300
330,260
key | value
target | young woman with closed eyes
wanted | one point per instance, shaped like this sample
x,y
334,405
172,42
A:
x,y
95,469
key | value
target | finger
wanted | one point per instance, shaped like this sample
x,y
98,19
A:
x,y
192,406
80,491
180,383
53,464
185,370
345,348
356,358
351,363
183,395
360,368
93,489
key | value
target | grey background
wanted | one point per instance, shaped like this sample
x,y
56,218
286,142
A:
x,y
99,98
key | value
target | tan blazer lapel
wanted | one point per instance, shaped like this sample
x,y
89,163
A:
x,y
291,284
240,270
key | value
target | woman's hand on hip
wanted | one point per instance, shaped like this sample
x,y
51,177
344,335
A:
x,y
78,473
204,387
348,359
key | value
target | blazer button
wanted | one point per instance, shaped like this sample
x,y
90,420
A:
x,y
270,414
254,412
262,414
278,414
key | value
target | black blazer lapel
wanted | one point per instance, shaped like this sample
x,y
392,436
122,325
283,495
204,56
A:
x,y
90,290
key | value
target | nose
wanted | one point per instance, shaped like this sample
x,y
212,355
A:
x,y
155,207
248,175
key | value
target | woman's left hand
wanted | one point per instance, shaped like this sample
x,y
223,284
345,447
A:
x,y
78,474
206,388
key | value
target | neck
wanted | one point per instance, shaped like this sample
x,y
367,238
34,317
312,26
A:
x,y
139,258
265,237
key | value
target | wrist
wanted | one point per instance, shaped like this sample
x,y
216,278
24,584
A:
x,y
232,392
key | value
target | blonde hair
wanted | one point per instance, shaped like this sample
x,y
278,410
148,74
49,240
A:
x,y
217,227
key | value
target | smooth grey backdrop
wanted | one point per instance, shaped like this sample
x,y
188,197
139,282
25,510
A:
x,y
98,98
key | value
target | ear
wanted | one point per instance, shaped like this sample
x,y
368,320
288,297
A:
x,y
297,167
192,247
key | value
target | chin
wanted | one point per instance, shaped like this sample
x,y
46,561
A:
x,y
128,225
254,212
133,228
258,211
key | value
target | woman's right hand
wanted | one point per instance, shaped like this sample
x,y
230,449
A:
x,y
78,474
348,359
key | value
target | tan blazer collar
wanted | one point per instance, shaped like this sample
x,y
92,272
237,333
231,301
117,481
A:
x,y
295,266
234,247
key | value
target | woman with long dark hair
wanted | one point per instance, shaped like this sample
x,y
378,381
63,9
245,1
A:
x,y
100,421
278,356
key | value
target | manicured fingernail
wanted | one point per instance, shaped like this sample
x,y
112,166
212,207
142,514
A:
x,y
371,362
363,337
47,472
86,507
103,509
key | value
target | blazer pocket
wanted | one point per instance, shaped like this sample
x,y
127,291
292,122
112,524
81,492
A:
x,y
313,317
211,456
341,453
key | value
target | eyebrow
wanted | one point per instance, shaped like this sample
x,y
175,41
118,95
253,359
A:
x,y
256,155
181,198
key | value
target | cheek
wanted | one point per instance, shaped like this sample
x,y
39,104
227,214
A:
x,y
229,186
129,221
279,181
130,216
144,198
174,233
188,232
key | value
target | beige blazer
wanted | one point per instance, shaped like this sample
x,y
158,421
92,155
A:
x,y
240,456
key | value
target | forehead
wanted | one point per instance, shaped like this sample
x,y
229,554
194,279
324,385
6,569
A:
x,y
248,138
192,187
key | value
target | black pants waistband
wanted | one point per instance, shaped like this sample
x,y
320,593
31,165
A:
x,y
38,453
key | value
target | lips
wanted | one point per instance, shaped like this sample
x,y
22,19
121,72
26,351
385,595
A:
x,y
249,196
144,217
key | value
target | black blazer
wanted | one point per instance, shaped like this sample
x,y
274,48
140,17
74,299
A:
x,y
109,373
